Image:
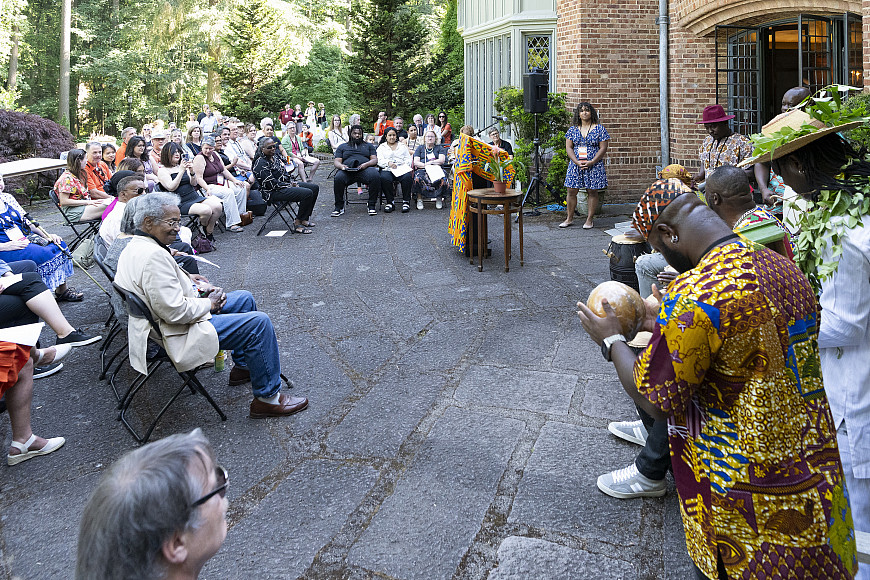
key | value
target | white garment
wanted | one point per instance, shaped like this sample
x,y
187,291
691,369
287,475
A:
x,y
844,343
859,495
336,138
111,226
386,155
234,201
238,156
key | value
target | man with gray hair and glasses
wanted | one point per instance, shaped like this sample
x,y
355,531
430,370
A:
x,y
197,319
159,512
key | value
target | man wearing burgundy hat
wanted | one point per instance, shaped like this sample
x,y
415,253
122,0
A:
x,y
722,146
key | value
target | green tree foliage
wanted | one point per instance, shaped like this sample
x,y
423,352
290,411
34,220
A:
x,y
323,79
385,40
441,83
258,56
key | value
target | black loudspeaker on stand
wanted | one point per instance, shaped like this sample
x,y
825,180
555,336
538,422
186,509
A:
x,y
536,85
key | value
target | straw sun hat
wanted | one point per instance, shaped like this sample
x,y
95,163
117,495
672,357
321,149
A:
x,y
798,121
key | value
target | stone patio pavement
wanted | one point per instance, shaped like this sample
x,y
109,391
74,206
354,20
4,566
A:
x,y
457,424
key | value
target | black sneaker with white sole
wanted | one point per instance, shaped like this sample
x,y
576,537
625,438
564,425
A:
x,y
337,212
47,370
78,338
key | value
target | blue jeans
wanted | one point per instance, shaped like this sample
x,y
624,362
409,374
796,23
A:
x,y
251,337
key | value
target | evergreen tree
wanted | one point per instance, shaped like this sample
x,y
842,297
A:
x,y
254,76
448,63
322,80
385,40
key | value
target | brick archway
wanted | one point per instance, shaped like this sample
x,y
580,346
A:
x,y
700,17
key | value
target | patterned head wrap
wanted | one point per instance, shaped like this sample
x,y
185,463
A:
x,y
654,201
677,171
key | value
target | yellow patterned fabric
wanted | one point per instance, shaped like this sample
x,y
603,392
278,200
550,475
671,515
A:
x,y
735,364
471,156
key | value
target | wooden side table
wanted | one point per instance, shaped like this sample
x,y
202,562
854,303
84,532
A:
x,y
483,202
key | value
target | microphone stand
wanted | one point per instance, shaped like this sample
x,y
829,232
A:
x,y
488,127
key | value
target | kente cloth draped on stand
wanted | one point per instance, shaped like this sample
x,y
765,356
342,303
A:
x,y
471,156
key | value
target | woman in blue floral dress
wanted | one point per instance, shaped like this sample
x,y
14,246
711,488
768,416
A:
x,y
586,144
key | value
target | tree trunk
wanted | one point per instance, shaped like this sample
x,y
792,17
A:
x,y
12,79
116,11
213,85
63,98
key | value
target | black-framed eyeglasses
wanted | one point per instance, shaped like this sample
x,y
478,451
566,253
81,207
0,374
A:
x,y
171,223
223,480
140,190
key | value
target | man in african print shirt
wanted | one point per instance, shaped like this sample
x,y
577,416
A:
x,y
733,364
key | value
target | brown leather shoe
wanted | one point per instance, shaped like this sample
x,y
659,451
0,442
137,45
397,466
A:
x,y
287,405
239,376
247,218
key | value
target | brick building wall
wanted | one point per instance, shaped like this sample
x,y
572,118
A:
x,y
607,54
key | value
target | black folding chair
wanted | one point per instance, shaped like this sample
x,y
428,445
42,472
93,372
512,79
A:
x,y
279,207
116,327
136,308
86,228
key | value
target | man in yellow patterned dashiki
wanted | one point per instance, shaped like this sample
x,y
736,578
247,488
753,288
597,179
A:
x,y
734,365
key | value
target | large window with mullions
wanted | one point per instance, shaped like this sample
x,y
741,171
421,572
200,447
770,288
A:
x,y
756,65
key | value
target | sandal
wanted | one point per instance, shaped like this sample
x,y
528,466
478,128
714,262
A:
x,y
299,229
50,446
69,295
236,229
309,225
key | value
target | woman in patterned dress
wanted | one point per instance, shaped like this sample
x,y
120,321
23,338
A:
x,y
586,143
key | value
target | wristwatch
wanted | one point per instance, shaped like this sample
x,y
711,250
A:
x,y
608,342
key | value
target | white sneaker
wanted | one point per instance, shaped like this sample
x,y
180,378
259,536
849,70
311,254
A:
x,y
629,483
631,431
419,203
438,203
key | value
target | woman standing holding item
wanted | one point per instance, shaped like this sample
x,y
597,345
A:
x,y
586,144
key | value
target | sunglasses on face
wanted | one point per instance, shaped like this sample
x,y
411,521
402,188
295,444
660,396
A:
x,y
223,480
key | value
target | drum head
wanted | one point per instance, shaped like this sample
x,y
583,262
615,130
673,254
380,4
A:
x,y
627,239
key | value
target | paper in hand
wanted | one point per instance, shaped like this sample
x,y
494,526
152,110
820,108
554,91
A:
x,y
434,172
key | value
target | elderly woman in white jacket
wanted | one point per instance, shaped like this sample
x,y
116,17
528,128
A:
x,y
394,160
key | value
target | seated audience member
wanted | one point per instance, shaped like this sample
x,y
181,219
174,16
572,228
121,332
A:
x,y
276,185
381,124
182,252
28,300
131,164
298,153
96,171
127,185
429,154
399,124
452,149
414,138
193,144
495,135
146,133
212,319
336,134
176,136
16,384
393,158
108,156
445,129
138,150
239,158
122,148
418,122
356,162
75,197
158,139
431,126
307,137
210,173
353,120
321,116
249,140
266,122
158,513
50,255
191,121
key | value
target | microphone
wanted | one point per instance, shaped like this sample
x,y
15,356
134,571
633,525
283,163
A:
x,y
500,118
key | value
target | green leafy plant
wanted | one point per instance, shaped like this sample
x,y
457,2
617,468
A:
x,y
834,210
498,167
323,147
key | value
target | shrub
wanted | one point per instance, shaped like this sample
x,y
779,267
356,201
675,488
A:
x,y
322,147
25,135
860,136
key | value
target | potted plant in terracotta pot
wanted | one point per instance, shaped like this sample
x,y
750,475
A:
x,y
498,167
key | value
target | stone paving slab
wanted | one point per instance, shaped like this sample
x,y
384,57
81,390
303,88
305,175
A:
x,y
522,389
522,558
423,529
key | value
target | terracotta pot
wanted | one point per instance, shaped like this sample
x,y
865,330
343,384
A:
x,y
499,186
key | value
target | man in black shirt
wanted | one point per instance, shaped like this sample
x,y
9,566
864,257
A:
x,y
356,162
399,123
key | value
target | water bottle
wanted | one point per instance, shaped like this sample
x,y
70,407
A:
x,y
220,361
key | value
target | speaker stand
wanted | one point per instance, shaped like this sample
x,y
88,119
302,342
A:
x,y
536,181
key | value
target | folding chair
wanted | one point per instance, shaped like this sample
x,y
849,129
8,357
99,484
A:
x,y
117,327
136,308
88,227
279,207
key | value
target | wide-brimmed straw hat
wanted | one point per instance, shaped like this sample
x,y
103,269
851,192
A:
x,y
798,121
714,114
